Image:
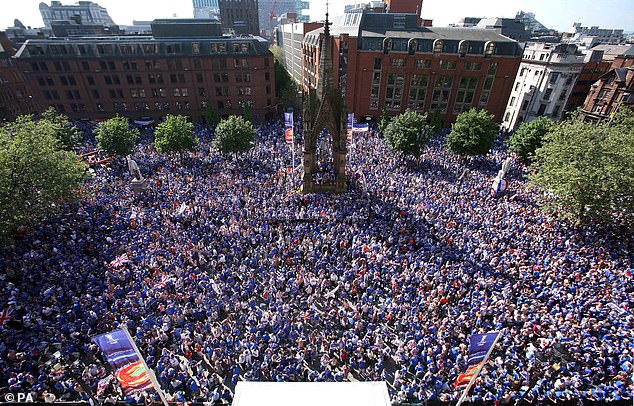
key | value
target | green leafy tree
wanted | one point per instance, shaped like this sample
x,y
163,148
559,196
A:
x,y
436,122
67,134
211,117
384,120
408,133
234,135
473,133
116,137
36,175
529,137
589,167
175,134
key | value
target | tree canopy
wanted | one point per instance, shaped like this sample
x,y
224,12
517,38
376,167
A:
x,y
408,133
473,133
234,135
67,134
529,137
589,167
175,134
36,174
116,137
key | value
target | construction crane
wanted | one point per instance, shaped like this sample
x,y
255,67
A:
x,y
271,16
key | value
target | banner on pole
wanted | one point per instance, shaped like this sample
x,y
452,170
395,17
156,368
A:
x,y
288,120
288,135
350,125
288,125
129,368
479,348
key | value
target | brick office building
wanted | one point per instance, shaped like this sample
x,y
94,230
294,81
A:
x,y
15,97
387,59
178,70
613,90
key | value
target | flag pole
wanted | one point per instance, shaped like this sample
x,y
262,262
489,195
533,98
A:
x,y
155,382
472,381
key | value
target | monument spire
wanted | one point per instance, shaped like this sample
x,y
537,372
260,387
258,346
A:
x,y
325,112
327,25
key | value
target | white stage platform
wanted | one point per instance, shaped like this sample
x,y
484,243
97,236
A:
x,y
311,394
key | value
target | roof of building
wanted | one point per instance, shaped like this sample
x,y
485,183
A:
x,y
140,46
621,74
400,28
611,51
449,33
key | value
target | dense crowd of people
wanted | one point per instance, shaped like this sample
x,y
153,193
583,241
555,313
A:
x,y
234,275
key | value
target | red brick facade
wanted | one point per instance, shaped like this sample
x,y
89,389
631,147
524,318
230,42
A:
x,y
612,90
151,78
425,81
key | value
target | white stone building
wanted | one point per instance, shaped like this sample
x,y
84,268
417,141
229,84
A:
x,y
591,36
543,83
206,9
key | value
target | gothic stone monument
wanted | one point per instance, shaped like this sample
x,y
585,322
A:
x,y
323,109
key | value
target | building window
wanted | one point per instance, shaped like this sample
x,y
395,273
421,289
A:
x,y
517,86
603,94
445,64
397,62
377,63
440,95
240,63
417,92
464,96
512,103
394,91
507,116
525,105
523,71
556,111
548,93
423,63
553,78
541,110
473,66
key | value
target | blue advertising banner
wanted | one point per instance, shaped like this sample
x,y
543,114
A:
x,y
288,120
128,366
479,346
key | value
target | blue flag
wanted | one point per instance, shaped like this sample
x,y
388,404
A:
x,y
288,120
479,346
127,365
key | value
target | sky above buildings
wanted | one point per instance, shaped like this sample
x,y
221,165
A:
x,y
557,14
